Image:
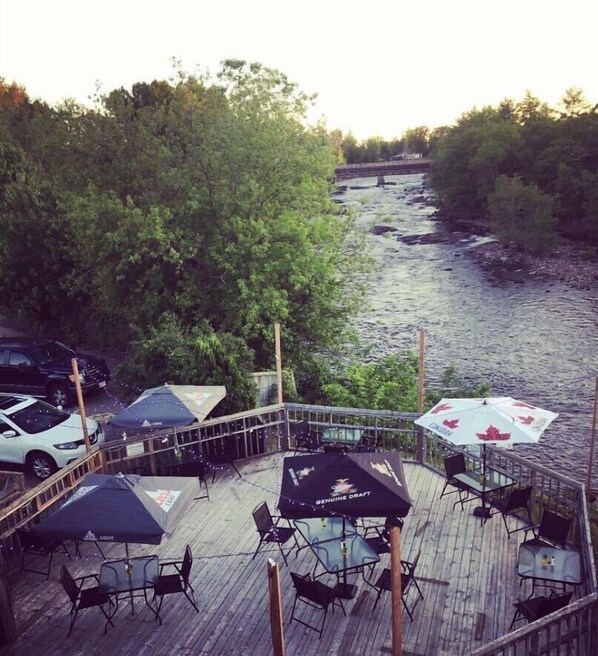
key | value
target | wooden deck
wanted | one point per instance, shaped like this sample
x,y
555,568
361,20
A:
x,y
466,572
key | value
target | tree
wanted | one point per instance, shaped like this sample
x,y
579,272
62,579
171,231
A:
x,y
522,214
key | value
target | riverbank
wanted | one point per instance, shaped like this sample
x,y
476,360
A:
x,y
568,263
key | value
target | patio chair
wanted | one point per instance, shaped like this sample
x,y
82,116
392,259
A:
x,y
197,468
552,530
511,504
455,464
306,439
380,542
538,607
269,530
315,594
176,582
407,579
82,598
39,548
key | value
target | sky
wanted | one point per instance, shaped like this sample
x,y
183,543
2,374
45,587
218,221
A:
x,y
378,68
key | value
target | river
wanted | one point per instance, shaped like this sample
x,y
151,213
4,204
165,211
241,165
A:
x,y
536,341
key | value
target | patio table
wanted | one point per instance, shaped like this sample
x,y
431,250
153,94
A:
x,y
541,562
342,556
483,486
315,530
130,575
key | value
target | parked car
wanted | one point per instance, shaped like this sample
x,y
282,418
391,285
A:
x,y
41,437
42,368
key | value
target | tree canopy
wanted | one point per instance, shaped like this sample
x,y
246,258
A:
x,y
202,199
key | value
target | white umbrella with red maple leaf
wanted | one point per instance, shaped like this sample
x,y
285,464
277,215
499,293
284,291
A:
x,y
499,421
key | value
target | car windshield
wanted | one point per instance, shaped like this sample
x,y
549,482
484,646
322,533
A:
x,y
50,351
38,417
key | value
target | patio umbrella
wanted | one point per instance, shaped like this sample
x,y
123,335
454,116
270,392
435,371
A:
x,y
354,485
119,508
500,421
169,406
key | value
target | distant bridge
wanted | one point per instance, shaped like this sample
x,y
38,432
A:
x,y
374,169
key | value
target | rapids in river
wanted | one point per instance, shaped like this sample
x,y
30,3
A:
x,y
534,340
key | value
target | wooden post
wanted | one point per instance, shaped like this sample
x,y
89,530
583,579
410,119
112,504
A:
x,y
421,444
278,361
592,441
275,608
395,573
420,373
77,380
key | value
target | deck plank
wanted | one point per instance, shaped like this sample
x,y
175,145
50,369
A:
x,y
465,570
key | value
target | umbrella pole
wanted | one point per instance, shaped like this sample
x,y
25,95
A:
x,y
344,589
482,511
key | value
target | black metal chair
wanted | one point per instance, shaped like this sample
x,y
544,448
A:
x,y
175,583
197,468
269,530
455,464
315,594
306,440
552,530
511,504
82,598
37,547
380,542
407,579
538,607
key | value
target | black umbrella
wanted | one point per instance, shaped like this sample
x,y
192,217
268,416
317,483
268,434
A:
x,y
169,406
120,508
354,485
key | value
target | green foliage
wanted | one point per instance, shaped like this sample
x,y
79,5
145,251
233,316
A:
x,y
454,386
203,198
521,214
170,353
553,153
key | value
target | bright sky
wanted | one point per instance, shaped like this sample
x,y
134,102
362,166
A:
x,y
377,67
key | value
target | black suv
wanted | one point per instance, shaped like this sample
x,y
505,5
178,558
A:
x,y
40,367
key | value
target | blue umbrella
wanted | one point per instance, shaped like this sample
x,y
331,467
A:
x,y
169,406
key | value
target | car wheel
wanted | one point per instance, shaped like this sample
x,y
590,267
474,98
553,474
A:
x,y
41,464
58,394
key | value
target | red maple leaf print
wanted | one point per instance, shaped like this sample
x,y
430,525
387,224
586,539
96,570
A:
x,y
521,404
451,423
492,434
526,420
440,408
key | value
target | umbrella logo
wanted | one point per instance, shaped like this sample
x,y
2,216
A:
x,y
90,535
492,434
451,423
342,487
440,408
164,498
386,469
81,492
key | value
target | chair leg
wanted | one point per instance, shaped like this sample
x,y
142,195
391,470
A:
x,y
407,608
73,618
259,546
377,599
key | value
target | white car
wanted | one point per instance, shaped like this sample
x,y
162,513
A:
x,y
40,436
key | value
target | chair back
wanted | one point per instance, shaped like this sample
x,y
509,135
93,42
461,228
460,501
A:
x,y
410,566
519,498
454,464
552,604
554,528
68,583
301,429
186,566
263,518
308,589
389,523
